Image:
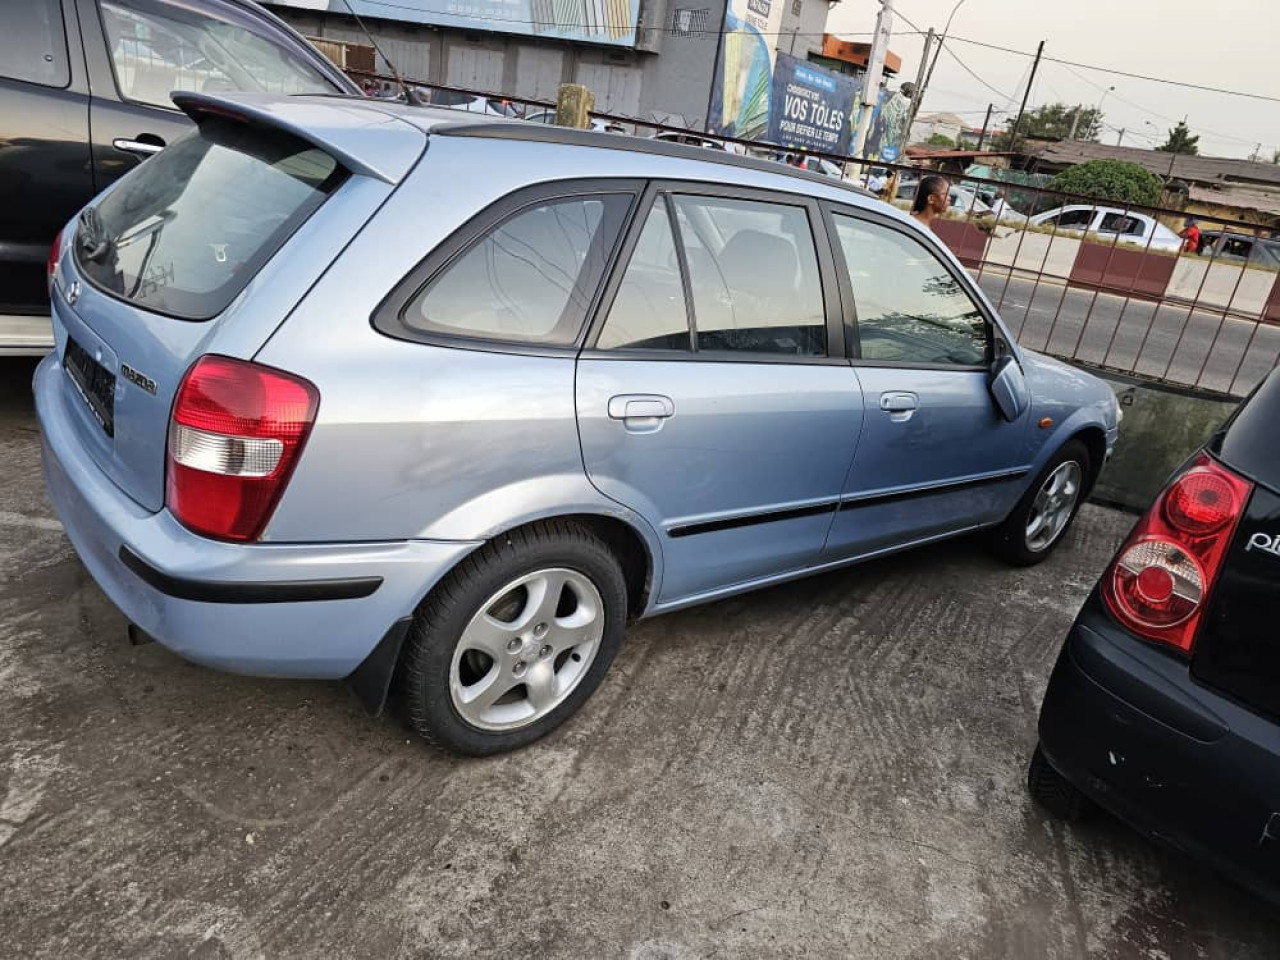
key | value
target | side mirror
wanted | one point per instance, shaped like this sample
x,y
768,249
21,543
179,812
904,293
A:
x,y
1009,388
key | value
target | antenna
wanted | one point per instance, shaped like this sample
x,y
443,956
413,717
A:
x,y
404,87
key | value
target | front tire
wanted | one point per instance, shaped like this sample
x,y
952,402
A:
x,y
514,640
1035,527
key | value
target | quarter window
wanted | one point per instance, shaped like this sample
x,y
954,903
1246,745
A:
x,y
33,46
528,280
649,310
911,308
753,273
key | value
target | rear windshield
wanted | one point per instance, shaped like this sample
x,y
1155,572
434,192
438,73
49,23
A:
x,y
186,231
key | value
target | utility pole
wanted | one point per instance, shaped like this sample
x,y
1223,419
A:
x,y
1017,124
1120,137
922,81
871,79
986,125
1075,121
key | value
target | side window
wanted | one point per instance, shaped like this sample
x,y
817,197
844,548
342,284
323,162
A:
x,y
1072,220
158,46
911,309
753,273
528,280
649,311
1122,224
33,44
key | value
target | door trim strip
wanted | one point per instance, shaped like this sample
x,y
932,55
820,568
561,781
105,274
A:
x,y
768,516
876,499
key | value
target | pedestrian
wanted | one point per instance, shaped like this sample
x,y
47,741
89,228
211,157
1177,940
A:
x,y
933,196
1190,236
875,181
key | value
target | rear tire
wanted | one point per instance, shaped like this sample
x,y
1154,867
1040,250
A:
x,y
1036,526
1053,792
514,640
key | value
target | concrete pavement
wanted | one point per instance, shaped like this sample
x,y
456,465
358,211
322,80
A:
x,y
832,768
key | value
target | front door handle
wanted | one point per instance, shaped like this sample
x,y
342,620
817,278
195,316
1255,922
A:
x,y
899,404
641,412
143,148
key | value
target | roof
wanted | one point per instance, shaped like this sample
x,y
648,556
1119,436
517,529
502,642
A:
x,y
928,153
1238,197
383,139
1203,170
950,119
851,51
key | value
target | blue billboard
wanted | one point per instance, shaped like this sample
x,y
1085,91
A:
x,y
610,22
811,108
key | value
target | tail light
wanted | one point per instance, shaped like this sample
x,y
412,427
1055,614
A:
x,y
235,436
54,252
1159,583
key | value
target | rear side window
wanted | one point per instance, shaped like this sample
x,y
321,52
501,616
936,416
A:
x,y
530,279
649,311
753,273
33,45
158,46
186,231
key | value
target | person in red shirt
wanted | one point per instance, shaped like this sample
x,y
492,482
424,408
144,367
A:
x,y
1190,237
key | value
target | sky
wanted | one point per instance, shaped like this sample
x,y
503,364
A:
x,y
1231,44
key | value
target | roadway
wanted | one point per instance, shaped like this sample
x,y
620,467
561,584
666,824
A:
x,y
1168,342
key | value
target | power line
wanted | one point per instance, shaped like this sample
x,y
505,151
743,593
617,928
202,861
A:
x,y
1123,73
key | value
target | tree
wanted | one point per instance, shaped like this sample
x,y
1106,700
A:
x,y
940,140
1055,121
1275,157
1181,141
1115,180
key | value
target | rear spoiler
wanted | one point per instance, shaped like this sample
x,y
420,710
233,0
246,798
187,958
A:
x,y
364,139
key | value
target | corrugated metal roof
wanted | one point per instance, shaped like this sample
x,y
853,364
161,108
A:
x,y
1203,170
1239,198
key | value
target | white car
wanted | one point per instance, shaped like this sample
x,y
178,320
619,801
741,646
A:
x,y
600,126
1129,226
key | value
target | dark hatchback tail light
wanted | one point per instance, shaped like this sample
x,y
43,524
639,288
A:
x,y
1159,583
235,436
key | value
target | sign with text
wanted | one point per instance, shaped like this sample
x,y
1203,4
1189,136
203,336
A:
x,y
811,107
741,97
594,21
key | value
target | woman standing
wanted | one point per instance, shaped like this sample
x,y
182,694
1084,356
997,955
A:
x,y
933,196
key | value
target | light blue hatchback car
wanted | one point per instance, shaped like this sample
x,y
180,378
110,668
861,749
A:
x,y
437,404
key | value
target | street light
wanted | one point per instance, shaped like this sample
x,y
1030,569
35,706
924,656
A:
x,y
1103,97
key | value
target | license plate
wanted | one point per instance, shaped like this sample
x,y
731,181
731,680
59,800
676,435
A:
x,y
95,384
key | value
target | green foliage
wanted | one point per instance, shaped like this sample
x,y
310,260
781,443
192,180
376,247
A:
x,y
1054,121
1181,141
1114,180
940,140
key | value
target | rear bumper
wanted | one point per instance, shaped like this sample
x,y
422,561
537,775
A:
x,y
297,610
1127,724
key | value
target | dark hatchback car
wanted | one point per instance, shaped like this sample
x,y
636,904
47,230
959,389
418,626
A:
x,y
84,98
1164,706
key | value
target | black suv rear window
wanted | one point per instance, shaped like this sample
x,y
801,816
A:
x,y
185,232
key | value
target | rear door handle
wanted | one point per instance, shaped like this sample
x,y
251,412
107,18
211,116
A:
x,y
140,147
900,405
641,412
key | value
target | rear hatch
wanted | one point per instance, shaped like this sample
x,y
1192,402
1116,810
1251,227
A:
x,y
1238,648
180,259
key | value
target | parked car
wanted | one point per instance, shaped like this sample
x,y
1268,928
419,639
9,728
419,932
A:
x,y
1164,706
299,429
600,126
1111,223
84,97
1228,247
466,102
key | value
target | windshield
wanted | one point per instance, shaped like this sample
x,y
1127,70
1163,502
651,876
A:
x,y
158,46
187,230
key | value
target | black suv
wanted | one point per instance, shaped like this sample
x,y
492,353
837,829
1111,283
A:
x,y
84,97
1164,706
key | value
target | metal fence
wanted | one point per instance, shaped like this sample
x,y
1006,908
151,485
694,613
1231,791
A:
x,y
1104,287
